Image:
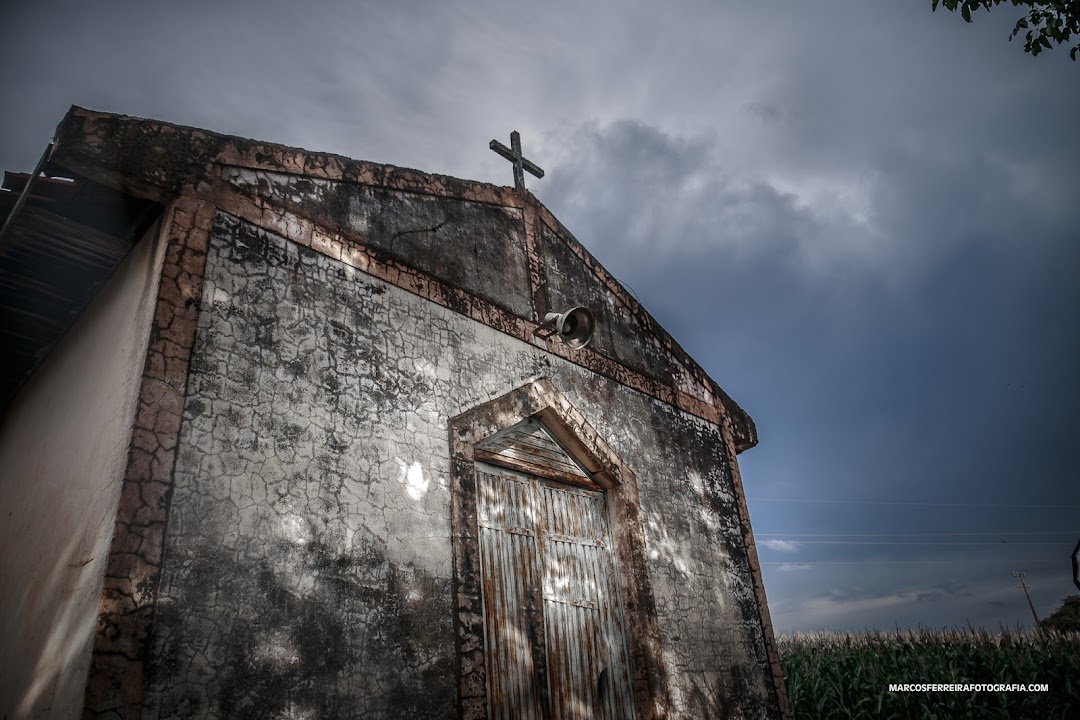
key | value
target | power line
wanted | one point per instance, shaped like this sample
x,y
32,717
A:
x,y
885,562
902,542
905,502
910,534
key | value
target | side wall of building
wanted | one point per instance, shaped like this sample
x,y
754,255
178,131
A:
x,y
308,558
63,450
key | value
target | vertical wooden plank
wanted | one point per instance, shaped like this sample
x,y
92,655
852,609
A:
x,y
509,563
590,531
619,703
585,629
512,558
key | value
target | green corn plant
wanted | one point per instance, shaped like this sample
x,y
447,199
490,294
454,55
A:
x,y
837,675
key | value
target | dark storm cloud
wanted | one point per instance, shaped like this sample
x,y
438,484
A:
x,y
858,217
633,187
917,347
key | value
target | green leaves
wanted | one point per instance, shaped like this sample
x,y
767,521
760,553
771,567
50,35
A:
x,y
1049,22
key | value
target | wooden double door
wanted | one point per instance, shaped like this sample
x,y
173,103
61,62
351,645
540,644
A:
x,y
554,627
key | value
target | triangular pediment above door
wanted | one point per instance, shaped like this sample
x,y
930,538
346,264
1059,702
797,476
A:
x,y
529,447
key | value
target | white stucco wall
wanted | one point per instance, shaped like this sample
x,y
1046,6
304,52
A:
x,y
63,449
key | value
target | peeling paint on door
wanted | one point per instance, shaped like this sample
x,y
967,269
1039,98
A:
x,y
553,621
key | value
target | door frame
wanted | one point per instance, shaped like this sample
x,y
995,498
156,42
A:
x,y
540,399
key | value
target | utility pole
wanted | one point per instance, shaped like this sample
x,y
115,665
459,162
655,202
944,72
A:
x,y
1031,605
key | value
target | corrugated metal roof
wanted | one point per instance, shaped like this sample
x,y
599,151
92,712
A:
x,y
61,247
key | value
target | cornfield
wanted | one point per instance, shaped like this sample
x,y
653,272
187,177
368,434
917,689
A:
x,y
833,676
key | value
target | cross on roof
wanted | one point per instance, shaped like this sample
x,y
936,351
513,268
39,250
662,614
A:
x,y
513,154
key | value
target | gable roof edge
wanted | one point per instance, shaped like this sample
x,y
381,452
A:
x,y
743,427
160,161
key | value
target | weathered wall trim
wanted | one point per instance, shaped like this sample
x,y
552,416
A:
x,y
360,172
768,634
120,650
541,399
537,269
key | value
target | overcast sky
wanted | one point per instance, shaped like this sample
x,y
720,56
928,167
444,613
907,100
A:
x,y
859,217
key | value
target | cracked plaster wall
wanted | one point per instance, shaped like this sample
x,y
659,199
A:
x,y
307,568
478,246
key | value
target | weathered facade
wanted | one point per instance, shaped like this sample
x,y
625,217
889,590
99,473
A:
x,y
357,483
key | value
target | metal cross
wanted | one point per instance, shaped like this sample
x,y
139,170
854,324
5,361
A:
x,y
513,154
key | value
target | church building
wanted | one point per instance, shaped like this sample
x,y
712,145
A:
x,y
289,435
